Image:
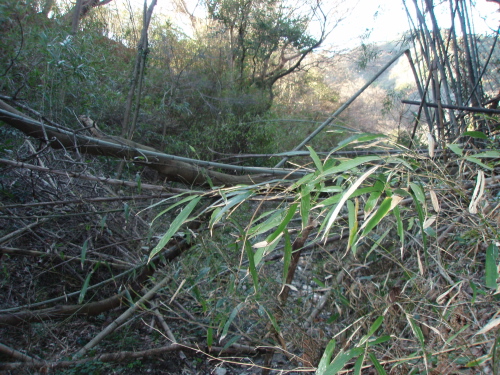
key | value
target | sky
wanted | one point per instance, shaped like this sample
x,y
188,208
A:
x,y
385,20
380,20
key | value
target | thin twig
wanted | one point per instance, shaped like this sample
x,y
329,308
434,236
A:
x,y
88,200
161,320
105,180
122,318
20,231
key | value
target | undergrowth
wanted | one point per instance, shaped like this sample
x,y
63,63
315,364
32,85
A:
x,y
410,288
397,270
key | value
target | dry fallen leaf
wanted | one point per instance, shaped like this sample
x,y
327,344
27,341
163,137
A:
x,y
420,265
478,193
432,144
489,326
429,221
434,200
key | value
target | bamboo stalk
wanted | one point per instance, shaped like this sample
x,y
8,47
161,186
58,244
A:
x,y
342,107
455,107
32,127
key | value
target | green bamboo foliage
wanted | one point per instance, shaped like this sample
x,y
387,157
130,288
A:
x,y
491,270
361,196
182,218
335,188
327,366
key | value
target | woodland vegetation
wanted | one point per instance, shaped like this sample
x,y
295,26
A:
x,y
175,202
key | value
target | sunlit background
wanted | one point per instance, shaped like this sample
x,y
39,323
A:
x,y
352,22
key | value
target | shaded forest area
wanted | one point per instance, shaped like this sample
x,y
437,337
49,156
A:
x,y
201,203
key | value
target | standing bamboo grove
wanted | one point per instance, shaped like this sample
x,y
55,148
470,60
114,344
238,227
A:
x,y
452,67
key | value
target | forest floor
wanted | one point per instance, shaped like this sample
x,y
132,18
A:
x,y
75,260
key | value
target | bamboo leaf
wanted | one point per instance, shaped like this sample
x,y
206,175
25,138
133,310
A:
x,y
379,340
417,331
199,298
421,220
376,324
275,217
385,207
377,242
419,193
401,161
251,266
166,200
491,269
341,359
174,226
102,223
434,200
457,333
330,201
376,217
428,222
371,202
231,342
260,252
362,137
210,337
86,283
272,318
359,364
283,224
349,164
488,154
230,204
373,328
376,364
478,162
305,207
363,191
352,210
315,158
479,361
303,180
126,211
83,255
182,201
233,314
287,255
330,189
267,214
319,282
495,353
456,149
215,213
326,358
345,197
264,244
476,134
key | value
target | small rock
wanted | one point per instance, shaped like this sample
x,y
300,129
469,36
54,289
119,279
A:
x,y
220,371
